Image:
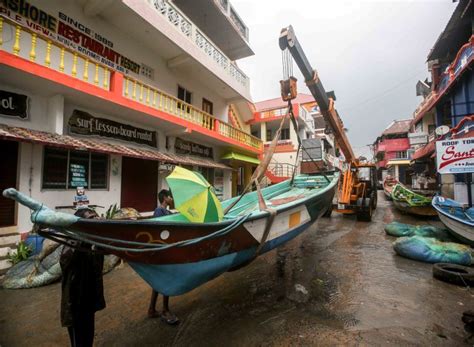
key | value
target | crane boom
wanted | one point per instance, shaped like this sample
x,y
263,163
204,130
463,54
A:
x,y
289,41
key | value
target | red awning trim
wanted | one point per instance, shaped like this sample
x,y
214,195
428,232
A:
x,y
93,145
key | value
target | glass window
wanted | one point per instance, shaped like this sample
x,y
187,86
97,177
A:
x,y
64,169
285,134
54,168
99,171
401,155
207,106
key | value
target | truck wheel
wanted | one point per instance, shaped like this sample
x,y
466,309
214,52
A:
x,y
374,201
365,212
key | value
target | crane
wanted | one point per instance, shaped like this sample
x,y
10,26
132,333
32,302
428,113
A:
x,y
357,190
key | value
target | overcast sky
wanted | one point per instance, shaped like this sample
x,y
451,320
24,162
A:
x,y
371,53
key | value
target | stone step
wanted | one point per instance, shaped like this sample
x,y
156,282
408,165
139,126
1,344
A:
x,y
5,264
5,249
7,239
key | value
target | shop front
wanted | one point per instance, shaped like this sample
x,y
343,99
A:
x,y
243,166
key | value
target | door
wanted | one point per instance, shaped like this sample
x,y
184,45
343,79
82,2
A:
x,y
139,184
8,176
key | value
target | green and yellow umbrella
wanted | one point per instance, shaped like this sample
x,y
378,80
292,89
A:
x,y
194,197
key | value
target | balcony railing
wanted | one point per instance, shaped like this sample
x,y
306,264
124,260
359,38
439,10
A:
x,y
239,24
155,98
187,28
41,50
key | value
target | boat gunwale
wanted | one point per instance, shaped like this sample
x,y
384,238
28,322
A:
x,y
259,215
438,209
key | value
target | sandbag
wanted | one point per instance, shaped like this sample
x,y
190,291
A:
x,y
430,250
25,275
400,229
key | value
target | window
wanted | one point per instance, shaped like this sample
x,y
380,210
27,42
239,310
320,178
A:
x,y
207,106
65,169
185,95
285,134
269,134
401,155
431,129
419,127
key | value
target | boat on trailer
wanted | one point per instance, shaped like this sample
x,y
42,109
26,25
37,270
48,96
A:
x,y
174,255
458,218
410,202
388,185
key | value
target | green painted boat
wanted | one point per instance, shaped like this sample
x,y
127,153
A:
x,y
410,202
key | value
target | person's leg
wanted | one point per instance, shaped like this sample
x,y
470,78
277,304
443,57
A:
x,y
71,333
81,333
151,309
167,316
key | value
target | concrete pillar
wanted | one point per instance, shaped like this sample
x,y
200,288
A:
x,y
227,188
263,131
56,113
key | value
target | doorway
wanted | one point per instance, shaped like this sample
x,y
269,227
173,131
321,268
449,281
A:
x,y
139,184
8,179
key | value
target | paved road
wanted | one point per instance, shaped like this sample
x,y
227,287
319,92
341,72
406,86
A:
x,y
338,283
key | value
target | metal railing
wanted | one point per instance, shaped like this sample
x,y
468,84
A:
x,y
155,98
190,30
282,169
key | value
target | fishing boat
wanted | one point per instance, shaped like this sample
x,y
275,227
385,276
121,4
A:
x,y
458,218
409,202
174,255
388,185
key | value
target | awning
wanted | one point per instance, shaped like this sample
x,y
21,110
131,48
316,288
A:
x,y
424,151
241,157
93,145
398,162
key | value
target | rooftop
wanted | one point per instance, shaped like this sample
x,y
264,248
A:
x,y
398,127
457,32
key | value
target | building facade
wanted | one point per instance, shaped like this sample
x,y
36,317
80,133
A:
x,y
448,101
266,121
111,95
392,152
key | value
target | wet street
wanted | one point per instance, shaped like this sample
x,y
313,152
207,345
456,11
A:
x,y
339,283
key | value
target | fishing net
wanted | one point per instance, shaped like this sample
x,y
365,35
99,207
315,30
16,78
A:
x,y
400,229
430,250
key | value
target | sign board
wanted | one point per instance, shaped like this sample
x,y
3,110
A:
x,y
185,147
418,138
442,130
69,31
14,105
455,156
83,123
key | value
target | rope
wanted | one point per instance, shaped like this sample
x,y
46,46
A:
x,y
86,238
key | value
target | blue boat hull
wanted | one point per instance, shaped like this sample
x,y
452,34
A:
x,y
177,279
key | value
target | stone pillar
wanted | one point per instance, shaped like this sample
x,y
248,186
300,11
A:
x,y
56,113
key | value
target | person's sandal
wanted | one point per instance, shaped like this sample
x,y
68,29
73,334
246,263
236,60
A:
x,y
169,319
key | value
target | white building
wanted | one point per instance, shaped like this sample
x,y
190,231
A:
x,y
110,95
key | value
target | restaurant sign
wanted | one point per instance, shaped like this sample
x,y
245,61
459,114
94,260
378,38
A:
x,y
185,147
83,123
14,105
455,156
67,30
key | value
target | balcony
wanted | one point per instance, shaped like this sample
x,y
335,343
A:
x,y
28,59
220,21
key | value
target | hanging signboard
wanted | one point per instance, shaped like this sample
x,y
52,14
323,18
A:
x,y
185,147
83,123
455,156
14,105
